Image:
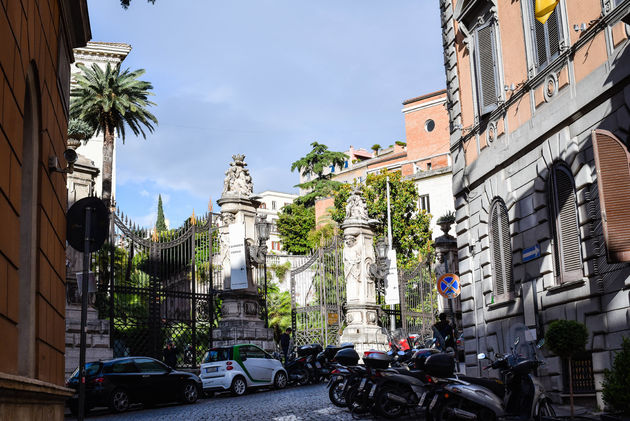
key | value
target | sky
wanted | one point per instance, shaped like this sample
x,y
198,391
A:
x,y
264,78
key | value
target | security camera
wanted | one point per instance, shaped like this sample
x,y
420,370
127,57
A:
x,y
70,155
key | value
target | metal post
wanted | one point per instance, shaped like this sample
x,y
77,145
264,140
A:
x,y
193,299
389,240
84,304
112,255
266,298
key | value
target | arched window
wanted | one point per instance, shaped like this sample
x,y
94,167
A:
x,y
28,227
564,223
501,249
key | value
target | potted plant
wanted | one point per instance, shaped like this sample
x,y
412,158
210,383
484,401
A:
x,y
566,339
78,130
445,221
616,385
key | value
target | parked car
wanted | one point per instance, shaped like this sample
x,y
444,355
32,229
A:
x,y
240,367
121,382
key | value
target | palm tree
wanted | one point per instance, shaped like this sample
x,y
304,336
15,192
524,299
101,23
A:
x,y
109,100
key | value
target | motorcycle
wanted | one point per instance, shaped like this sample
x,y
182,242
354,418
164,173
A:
x,y
297,372
323,364
470,398
346,373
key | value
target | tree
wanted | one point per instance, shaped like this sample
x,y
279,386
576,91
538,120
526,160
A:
x,y
616,386
160,224
294,224
376,147
411,235
108,100
316,162
566,339
125,3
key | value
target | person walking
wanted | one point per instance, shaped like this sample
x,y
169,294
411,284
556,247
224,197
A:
x,y
170,354
443,333
285,341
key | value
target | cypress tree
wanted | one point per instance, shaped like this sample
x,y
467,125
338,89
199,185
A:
x,y
160,224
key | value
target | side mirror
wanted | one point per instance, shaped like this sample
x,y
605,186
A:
x,y
401,353
540,343
517,340
481,356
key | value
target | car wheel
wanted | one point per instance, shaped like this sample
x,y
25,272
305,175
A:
x,y
239,386
280,381
190,393
119,400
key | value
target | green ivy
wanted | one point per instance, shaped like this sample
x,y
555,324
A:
x,y
616,383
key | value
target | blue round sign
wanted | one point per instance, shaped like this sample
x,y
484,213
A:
x,y
448,285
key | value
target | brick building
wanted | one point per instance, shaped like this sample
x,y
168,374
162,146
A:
x,y
37,38
539,138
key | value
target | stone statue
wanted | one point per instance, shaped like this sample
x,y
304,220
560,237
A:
x,y
237,181
356,207
352,264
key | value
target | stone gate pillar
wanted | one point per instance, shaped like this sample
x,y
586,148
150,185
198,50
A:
x,y
358,254
240,309
448,262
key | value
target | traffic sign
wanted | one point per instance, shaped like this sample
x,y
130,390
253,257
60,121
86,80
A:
x,y
531,253
76,222
448,285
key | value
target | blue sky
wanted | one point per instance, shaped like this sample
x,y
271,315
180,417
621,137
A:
x,y
264,78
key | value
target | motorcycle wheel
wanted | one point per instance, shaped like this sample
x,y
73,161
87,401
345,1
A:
x,y
336,395
385,406
545,410
302,375
355,401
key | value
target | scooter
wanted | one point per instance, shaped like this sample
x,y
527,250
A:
x,y
522,397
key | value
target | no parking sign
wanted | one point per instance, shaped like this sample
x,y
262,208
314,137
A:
x,y
448,285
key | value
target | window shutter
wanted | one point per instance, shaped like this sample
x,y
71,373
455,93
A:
x,y
486,69
501,251
496,251
613,180
546,37
568,251
506,248
541,43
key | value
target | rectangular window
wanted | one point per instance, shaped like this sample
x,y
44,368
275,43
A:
x,y
345,164
428,166
273,205
487,74
546,38
424,203
332,168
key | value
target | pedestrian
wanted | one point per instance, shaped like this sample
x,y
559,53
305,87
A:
x,y
285,341
443,333
170,354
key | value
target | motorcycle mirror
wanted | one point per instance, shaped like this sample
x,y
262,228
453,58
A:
x,y
540,343
401,353
481,356
517,340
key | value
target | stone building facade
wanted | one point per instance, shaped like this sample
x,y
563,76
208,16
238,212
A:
x,y
539,138
35,55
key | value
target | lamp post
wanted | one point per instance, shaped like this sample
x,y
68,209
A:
x,y
380,268
258,253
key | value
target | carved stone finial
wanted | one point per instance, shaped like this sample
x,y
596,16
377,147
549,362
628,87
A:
x,y
237,182
356,207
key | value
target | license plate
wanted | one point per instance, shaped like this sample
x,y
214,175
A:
x,y
372,391
424,396
433,402
212,369
362,384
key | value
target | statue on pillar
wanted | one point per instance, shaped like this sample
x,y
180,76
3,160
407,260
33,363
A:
x,y
237,181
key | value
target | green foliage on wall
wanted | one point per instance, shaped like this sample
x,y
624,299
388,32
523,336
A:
x,y
616,383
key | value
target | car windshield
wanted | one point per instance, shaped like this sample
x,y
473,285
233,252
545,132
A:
x,y
91,369
216,354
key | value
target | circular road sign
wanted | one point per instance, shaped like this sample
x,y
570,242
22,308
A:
x,y
99,226
448,285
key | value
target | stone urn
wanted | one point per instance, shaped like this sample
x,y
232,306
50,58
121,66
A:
x,y
73,143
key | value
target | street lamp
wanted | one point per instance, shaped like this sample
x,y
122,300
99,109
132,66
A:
x,y
380,268
258,253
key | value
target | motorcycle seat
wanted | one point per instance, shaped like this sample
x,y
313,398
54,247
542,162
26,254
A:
x,y
418,374
496,388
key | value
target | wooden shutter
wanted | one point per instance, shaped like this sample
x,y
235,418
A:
x,y
501,251
487,76
567,234
613,180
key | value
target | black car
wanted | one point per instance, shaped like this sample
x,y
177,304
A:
x,y
120,382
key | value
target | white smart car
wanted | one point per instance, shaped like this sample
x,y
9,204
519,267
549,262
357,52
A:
x,y
239,367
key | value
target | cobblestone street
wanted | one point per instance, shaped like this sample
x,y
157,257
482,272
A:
x,y
290,404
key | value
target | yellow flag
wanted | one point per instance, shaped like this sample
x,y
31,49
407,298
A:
x,y
544,9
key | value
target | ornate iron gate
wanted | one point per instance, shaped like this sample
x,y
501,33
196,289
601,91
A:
x,y
159,287
317,296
